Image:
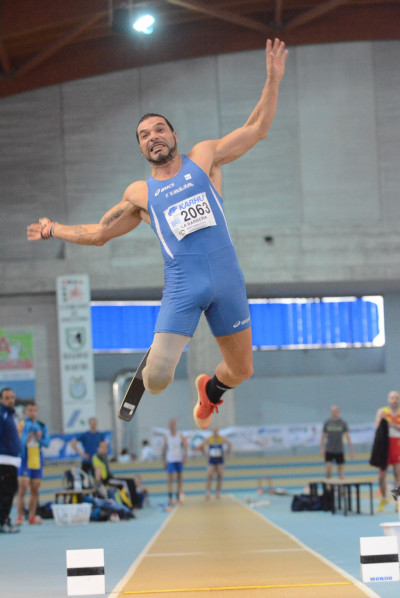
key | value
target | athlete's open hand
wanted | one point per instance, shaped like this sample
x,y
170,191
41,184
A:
x,y
37,231
276,58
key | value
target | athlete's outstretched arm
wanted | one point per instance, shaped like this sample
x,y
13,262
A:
x,y
238,142
118,221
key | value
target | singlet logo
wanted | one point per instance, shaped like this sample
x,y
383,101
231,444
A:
x,y
241,323
179,189
164,189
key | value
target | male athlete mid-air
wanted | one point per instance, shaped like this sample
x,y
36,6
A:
x,y
182,203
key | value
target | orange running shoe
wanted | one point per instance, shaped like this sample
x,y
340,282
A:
x,y
204,409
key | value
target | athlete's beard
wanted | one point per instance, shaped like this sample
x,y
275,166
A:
x,y
163,160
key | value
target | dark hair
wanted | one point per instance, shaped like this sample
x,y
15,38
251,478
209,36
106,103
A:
x,y
149,115
4,389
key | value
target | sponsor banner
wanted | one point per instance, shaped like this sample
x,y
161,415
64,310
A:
x,y
16,362
362,433
60,447
264,439
76,355
244,439
304,434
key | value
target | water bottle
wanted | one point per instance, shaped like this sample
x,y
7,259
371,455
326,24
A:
x,y
77,479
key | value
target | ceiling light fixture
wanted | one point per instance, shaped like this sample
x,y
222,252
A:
x,y
144,24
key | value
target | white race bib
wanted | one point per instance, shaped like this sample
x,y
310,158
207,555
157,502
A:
x,y
215,451
189,215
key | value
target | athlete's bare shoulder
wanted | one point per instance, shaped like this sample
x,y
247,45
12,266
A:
x,y
136,194
203,155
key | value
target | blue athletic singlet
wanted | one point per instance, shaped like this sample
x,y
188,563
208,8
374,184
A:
x,y
215,450
200,265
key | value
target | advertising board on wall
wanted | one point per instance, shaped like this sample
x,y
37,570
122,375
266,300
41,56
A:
x,y
16,361
76,356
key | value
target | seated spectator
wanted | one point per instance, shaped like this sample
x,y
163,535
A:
x,y
104,477
124,456
146,454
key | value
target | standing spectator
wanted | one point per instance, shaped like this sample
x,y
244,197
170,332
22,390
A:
x,y
391,414
34,436
10,460
174,456
332,447
146,453
89,441
214,447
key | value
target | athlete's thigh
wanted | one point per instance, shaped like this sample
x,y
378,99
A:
x,y
220,469
35,483
396,470
229,310
167,347
23,483
229,313
237,349
181,304
211,469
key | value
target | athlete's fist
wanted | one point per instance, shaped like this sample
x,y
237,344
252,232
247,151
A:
x,y
38,231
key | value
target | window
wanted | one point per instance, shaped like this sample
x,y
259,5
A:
x,y
316,323
276,323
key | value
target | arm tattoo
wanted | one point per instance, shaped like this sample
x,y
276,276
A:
x,y
111,217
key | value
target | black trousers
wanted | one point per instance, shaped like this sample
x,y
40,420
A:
x,y
8,489
87,468
130,483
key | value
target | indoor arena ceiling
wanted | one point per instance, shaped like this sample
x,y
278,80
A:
x,y
44,42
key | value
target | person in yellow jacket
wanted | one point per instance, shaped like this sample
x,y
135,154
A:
x,y
104,477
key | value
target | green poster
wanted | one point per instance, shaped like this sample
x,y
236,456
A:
x,y
16,361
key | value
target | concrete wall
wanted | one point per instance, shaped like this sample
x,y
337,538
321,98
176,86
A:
x,y
324,184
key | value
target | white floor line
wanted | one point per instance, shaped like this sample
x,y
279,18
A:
x,y
140,557
367,591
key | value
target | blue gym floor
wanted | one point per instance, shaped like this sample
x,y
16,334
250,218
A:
x,y
32,563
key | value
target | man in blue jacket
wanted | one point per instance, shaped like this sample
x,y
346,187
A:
x,y
86,445
10,460
34,436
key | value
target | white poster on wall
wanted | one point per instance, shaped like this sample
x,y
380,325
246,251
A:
x,y
76,355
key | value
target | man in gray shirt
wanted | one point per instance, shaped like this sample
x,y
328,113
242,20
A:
x,y
333,432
